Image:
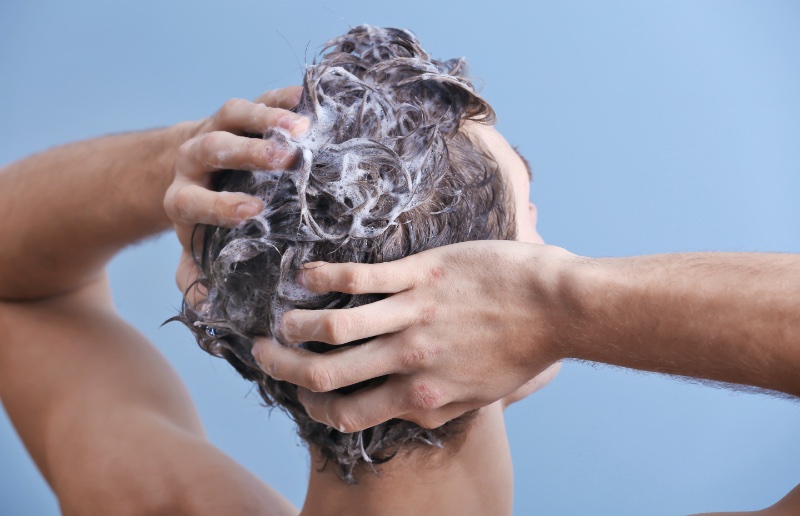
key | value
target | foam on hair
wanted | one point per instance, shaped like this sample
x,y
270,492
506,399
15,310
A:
x,y
386,171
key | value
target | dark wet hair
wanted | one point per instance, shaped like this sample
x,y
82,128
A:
x,y
386,171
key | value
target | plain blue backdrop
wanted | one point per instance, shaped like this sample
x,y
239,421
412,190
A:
x,y
651,127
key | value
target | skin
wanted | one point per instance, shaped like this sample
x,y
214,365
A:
x,y
103,415
114,432
473,477
382,357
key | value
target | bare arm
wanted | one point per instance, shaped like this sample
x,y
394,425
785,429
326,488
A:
x,y
108,421
457,334
104,417
726,317
68,210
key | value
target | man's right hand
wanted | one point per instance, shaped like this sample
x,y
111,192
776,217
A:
x,y
463,326
467,324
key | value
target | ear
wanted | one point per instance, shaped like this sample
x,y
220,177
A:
x,y
533,214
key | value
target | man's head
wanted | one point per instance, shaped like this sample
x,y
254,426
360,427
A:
x,y
398,161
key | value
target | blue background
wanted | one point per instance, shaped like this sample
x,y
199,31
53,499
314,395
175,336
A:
x,y
651,127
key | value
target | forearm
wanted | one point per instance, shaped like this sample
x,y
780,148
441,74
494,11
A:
x,y
67,210
721,317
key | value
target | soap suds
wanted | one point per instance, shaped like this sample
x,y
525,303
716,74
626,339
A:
x,y
383,172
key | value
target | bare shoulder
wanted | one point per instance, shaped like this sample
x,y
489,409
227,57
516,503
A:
x,y
108,421
789,505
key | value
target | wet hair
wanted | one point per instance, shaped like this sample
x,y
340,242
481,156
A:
x,y
386,171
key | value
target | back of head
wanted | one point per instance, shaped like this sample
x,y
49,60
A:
x,y
385,172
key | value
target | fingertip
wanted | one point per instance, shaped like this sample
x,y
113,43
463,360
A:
x,y
247,210
233,208
306,277
293,95
285,98
297,125
258,347
300,126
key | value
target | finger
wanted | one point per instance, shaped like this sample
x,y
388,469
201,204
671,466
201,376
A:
x,y
359,278
243,116
285,98
329,371
215,208
342,326
191,204
187,272
221,150
186,279
357,411
436,418
191,239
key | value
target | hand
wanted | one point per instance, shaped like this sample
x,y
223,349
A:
x,y
464,325
218,143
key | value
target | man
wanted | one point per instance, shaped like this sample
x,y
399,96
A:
x,y
137,446
105,418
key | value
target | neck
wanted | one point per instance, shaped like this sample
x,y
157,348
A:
x,y
476,478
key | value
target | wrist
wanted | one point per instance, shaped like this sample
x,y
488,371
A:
x,y
167,141
557,281
594,293
579,293
175,136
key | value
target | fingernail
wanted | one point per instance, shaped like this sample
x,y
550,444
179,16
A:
x,y
296,125
313,265
256,352
300,280
247,210
278,154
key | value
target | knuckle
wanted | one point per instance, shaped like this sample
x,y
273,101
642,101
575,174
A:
x,y
223,208
255,151
270,368
231,105
436,274
182,202
318,378
186,147
355,280
416,356
209,140
209,143
169,202
263,110
427,315
424,396
337,327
